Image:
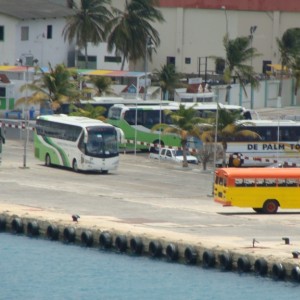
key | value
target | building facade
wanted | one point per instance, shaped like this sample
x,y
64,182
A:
x,y
194,30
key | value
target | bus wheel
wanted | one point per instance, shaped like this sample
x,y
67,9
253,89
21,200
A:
x,y
47,160
75,166
270,207
258,210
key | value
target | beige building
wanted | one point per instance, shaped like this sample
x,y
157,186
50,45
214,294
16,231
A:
x,y
194,30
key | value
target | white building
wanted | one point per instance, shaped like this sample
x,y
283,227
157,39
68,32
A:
x,y
31,33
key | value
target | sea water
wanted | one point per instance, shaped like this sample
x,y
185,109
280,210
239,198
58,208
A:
x,y
41,269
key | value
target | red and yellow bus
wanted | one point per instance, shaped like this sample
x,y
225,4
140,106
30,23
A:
x,y
263,189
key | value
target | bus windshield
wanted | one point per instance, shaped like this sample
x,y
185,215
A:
x,y
101,142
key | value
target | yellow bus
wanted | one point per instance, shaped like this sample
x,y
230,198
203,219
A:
x,y
263,189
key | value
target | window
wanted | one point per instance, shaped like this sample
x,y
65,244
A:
x,y
187,60
92,62
130,117
292,182
24,33
239,182
1,33
114,113
2,91
249,182
171,60
49,32
113,59
58,130
266,66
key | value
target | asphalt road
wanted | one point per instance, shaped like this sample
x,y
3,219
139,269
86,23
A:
x,y
161,195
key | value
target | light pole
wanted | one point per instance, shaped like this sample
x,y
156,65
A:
x,y
252,31
26,121
148,46
226,19
227,96
215,146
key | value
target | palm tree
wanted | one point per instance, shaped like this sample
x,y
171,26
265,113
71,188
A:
x,y
184,124
129,30
227,129
288,47
56,87
168,80
238,52
102,85
87,24
296,74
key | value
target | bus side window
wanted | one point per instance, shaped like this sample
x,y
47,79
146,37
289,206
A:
x,y
260,182
292,182
250,182
239,182
281,182
270,182
130,117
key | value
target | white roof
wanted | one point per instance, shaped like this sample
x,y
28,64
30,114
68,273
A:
x,y
271,123
73,120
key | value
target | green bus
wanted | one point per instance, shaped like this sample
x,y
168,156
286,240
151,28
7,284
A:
x,y
79,143
136,121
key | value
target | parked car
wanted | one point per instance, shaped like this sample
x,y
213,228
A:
x,y
173,155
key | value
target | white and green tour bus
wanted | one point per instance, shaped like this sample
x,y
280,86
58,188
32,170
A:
x,y
76,142
137,122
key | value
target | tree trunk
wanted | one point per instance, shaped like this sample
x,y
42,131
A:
x,y
184,162
224,144
123,62
86,56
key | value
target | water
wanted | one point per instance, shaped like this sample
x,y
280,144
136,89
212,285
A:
x,y
41,269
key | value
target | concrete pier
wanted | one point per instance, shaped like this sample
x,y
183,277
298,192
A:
x,y
147,201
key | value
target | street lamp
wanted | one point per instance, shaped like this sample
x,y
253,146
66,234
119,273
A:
x,y
252,31
226,19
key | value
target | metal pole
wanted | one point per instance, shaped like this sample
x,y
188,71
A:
x,y
252,30
135,130
146,66
26,122
226,19
215,146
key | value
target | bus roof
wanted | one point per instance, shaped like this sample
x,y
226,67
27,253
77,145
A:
x,y
172,104
73,120
120,100
259,172
268,123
